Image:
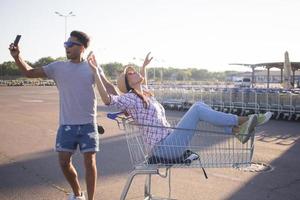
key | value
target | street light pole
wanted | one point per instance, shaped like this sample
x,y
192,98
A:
x,y
159,62
70,14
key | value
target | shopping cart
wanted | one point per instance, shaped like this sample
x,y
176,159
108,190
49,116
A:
x,y
210,147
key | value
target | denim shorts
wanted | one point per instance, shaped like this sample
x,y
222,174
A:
x,y
70,137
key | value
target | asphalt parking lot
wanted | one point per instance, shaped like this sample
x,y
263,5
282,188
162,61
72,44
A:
x,y
29,169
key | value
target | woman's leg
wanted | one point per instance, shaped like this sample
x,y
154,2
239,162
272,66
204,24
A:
x,y
202,112
175,143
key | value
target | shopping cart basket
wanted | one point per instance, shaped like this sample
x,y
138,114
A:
x,y
210,147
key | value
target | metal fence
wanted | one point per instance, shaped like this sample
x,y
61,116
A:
x,y
284,104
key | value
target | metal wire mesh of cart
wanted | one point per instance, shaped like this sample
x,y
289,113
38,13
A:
x,y
208,146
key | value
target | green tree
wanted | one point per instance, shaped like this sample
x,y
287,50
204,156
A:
x,y
60,59
9,68
199,74
112,70
183,75
43,61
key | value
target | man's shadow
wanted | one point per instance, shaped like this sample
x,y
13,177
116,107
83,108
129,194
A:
x,y
43,167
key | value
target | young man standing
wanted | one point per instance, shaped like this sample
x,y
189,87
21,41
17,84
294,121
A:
x,y
77,120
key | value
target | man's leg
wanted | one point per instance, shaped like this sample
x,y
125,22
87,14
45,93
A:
x,y
90,173
69,171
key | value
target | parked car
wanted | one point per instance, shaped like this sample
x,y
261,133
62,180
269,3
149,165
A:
x,y
243,82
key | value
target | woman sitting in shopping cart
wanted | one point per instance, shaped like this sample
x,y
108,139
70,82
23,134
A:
x,y
145,110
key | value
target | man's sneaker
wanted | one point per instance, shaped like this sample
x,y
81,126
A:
x,y
73,197
263,118
246,129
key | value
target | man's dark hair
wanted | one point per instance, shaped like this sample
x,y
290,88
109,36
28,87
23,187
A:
x,y
82,38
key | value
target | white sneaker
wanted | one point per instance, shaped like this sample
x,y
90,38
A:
x,y
263,118
247,129
73,197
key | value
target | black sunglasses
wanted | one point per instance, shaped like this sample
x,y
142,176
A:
x,y
69,44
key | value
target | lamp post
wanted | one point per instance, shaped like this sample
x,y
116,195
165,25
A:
x,y
159,63
70,14
161,71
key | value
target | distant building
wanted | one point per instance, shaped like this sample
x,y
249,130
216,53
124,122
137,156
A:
x,y
261,76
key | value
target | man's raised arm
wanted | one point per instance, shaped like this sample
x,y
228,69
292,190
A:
x,y
26,69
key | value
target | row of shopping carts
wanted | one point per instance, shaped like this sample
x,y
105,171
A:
x,y
284,104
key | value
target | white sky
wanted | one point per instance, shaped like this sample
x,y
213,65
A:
x,y
205,34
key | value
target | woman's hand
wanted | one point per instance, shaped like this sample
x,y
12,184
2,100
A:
x,y
101,88
92,62
147,60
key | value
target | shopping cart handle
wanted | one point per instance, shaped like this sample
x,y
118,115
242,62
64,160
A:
x,y
114,115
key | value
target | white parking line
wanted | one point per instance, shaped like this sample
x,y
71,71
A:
x,y
32,100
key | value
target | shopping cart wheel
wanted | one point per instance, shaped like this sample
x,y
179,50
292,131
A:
x,y
100,129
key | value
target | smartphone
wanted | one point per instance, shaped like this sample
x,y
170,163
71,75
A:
x,y
16,42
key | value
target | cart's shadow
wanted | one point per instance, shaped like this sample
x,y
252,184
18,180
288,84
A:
x,y
283,182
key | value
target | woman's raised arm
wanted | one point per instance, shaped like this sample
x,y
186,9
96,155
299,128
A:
x,y
143,69
101,88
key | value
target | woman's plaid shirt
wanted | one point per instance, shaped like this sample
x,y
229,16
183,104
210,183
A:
x,y
153,115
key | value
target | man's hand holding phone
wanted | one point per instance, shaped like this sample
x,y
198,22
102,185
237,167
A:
x,y
14,47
